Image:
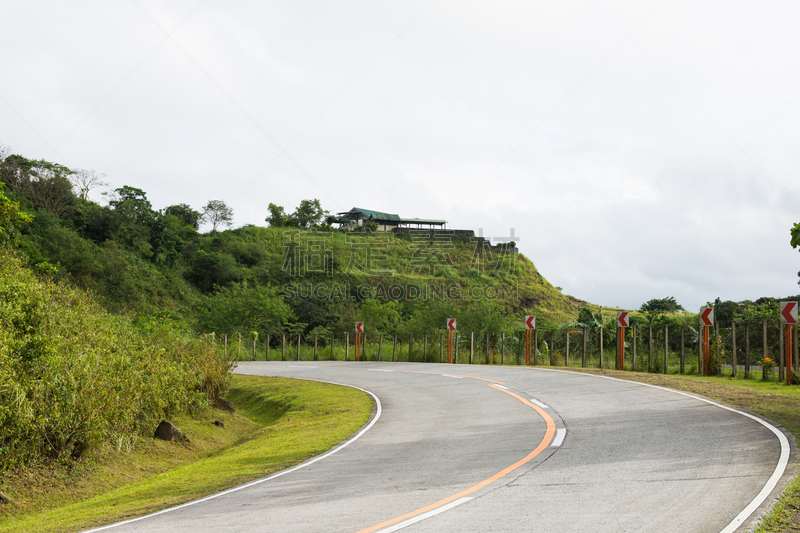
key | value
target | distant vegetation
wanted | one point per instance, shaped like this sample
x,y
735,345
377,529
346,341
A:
x,y
73,376
141,261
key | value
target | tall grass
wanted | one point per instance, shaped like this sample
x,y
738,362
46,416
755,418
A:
x,y
73,376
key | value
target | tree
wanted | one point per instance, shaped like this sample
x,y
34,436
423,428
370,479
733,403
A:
x,y
132,204
277,216
189,216
309,213
663,305
795,242
10,217
218,213
44,184
137,220
243,308
85,180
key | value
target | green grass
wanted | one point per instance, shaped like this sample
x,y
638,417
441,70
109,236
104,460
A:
x,y
279,422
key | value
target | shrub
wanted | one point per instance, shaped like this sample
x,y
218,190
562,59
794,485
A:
x,y
72,376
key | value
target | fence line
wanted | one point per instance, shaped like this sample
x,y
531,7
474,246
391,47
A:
x,y
738,348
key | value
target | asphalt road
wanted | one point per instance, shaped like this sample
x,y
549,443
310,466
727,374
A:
x,y
485,448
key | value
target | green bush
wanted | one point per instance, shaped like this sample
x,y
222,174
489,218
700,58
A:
x,y
73,376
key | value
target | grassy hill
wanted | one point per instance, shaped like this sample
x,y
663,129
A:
x,y
308,278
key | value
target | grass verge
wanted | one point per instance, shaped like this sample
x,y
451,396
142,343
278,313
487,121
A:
x,y
279,422
769,399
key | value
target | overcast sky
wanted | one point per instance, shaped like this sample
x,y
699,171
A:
x,y
637,149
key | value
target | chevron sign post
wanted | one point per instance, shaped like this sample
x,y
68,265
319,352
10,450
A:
x,y
788,319
530,325
623,321
359,331
706,321
789,313
451,327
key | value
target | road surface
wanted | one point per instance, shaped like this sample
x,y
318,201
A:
x,y
454,448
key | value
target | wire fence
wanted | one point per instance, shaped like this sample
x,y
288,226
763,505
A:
x,y
738,349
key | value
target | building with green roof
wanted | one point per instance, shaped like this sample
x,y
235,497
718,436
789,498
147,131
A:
x,y
386,221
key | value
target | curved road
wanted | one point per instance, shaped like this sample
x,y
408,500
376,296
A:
x,y
483,448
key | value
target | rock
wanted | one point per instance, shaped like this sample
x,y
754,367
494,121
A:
x,y
3,499
218,424
166,431
224,404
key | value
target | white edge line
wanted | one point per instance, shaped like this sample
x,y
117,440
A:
x,y
537,402
772,482
558,440
452,376
423,516
495,385
268,478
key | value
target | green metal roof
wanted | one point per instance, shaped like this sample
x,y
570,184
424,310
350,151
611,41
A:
x,y
422,221
369,214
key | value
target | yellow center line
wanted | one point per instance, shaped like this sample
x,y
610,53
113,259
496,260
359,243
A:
x,y
548,437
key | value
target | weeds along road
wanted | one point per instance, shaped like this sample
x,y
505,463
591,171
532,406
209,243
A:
x,y
483,448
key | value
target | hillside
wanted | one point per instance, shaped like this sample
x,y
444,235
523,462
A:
x,y
306,278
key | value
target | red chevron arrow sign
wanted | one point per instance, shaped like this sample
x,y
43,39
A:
x,y
623,319
451,324
789,313
359,327
706,316
530,322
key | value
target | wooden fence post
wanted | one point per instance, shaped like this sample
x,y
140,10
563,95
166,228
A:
x,y
601,347
585,347
734,361
747,350
700,351
764,350
781,361
471,345
796,352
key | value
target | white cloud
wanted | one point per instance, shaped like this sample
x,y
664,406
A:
x,y
654,144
